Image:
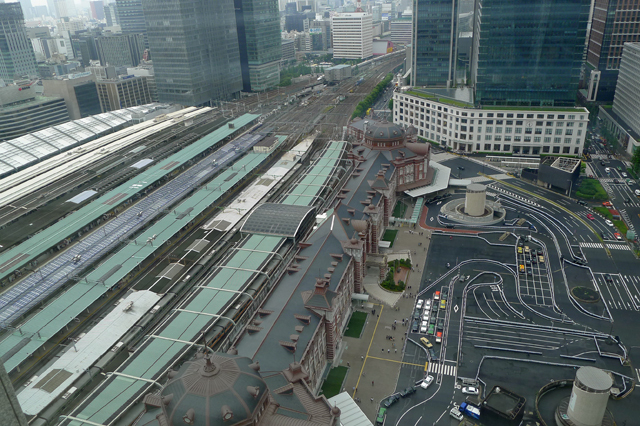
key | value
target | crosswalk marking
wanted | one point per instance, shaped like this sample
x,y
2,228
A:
x,y
514,195
610,246
447,370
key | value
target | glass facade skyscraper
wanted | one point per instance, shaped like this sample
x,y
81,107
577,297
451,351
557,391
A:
x,y
194,45
131,18
528,52
615,22
260,43
16,53
435,36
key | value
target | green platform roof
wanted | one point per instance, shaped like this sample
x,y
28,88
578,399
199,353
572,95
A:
x,y
55,316
233,275
12,259
311,185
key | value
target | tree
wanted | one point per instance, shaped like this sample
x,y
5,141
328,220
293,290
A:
x,y
635,160
391,104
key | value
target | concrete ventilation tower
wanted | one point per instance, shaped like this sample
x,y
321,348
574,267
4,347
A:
x,y
587,405
475,200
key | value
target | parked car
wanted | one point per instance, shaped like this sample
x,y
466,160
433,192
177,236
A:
x,y
414,326
408,391
391,400
456,414
624,175
618,236
470,390
608,278
419,304
382,412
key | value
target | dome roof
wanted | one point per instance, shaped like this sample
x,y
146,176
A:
x,y
383,130
216,389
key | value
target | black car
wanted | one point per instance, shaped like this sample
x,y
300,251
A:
x,y
408,391
608,278
432,320
433,355
414,326
616,181
391,400
529,272
440,323
602,163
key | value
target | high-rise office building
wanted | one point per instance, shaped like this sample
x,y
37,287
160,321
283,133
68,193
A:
x,y
352,35
110,14
97,9
624,118
123,93
258,24
16,54
78,91
131,18
614,23
120,49
434,43
196,58
10,410
65,8
528,52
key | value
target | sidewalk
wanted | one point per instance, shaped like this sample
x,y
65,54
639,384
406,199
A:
x,y
374,361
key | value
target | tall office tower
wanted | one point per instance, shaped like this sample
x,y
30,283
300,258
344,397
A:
x,y
196,57
16,54
120,49
352,35
434,43
97,10
258,24
111,15
626,103
528,52
131,18
615,22
65,8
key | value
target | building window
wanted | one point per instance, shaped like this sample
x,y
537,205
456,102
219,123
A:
x,y
538,131
518,130
557,140
487,137
487,147
548,131
508,129
565,150
517,138
549,123
539,123
558,131
498,138
506,148
520,116
537,139
496,147
559,124
568,132
561,117
575,150
528,131
570,124
567,140
529,115
527,138
547,139
580,124
489,130
550,116
498,129
556,150
545,149
578,141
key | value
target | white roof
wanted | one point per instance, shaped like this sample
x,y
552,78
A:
x,y
350,412
440,181
86,351
251,196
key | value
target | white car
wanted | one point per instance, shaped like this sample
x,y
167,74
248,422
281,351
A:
x,y
425,324
427,304
624,175
456,414
608,222
425,317
423,329
607,170
470,390
637,192
424,383
419,304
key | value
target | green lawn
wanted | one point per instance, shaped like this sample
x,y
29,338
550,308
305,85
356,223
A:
x,y
333,383
356,324
538,109
399,210
622,227
591,189
390,235
604,212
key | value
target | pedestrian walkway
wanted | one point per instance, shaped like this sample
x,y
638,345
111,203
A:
x,y
444,369
610,246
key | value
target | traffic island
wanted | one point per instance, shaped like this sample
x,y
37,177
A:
x,y
585,295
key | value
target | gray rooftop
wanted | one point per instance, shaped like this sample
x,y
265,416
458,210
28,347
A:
x,y
277,219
